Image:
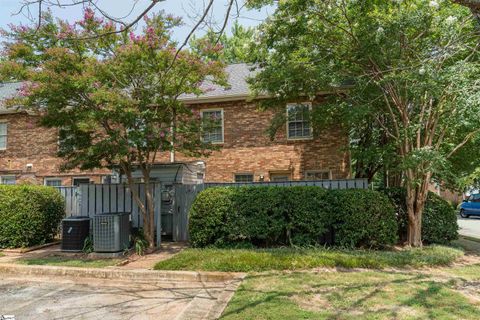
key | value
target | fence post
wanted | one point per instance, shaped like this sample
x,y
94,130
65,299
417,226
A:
x,y
158,211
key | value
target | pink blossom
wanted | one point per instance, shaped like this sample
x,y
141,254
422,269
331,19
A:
x,y
132,36
26,88
162,134
88,14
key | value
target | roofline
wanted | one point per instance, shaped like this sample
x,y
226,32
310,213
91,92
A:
x,y
242,96
221,98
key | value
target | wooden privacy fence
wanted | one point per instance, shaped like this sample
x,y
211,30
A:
x,y
328,184
171,201
171,204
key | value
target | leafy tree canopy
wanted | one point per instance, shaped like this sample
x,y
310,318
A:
x,y
115,97
236,48
408,68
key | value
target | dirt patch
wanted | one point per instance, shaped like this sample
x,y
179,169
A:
x,y
166,251
312,302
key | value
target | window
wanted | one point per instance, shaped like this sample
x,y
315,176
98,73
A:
x,y
317,175
3,135
53,182
79,181
244,177
7,180
298,121
474,197
279,177
212,126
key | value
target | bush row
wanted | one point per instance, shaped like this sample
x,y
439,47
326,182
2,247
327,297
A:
x,y
29,215
270,216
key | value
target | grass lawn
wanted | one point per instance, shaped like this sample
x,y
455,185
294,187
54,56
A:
x,y
69,262
248,260
358,295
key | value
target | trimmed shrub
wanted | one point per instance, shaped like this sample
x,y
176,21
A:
x,y
272,216
29,215
439,221
363,218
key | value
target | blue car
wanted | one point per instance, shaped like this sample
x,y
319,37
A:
x,y
470,206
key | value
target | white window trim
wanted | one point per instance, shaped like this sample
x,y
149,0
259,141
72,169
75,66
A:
x,y
243,174
319,171
7,176
52,179
223,123
310,137
6,135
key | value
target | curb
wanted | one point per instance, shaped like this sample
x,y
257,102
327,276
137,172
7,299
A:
x,y
118,274
470,238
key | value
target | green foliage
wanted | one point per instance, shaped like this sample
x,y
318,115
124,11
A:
x,y
114,98
88,245
258,260
363,218
439,217
235,48
270,216
139,242
29,215
403,77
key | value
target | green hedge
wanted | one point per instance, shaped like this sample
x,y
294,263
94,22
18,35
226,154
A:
x,y
29,215
272,216
439,221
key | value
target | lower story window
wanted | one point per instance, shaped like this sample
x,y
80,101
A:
x,y
79,181
280,177
244,177
53,182
7,180
317,175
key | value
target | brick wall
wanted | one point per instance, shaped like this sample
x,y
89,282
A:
x,y
247,148
28,143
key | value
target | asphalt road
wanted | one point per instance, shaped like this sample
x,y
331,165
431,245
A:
x,y
470,226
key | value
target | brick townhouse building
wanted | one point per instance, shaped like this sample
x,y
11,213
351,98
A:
x,y
246,153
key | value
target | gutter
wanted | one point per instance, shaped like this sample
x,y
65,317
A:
x,y
243,96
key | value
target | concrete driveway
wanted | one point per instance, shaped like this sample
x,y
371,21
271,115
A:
x,y
470,226
84,298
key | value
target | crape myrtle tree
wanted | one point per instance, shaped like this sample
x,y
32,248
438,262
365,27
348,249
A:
x,y
412,72
114,98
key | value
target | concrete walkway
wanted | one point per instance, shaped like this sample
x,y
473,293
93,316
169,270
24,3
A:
x,y
41,298
131,290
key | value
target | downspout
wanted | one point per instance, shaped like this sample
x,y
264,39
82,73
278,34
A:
x,y
172,142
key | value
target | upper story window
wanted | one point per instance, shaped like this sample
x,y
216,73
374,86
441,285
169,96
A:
x,y
298,121
212,125
3,135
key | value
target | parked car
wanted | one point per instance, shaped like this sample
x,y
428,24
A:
x,y
470,206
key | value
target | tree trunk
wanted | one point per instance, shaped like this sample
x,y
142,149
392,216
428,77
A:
x,y
414,232
149,224
147,229
416,198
